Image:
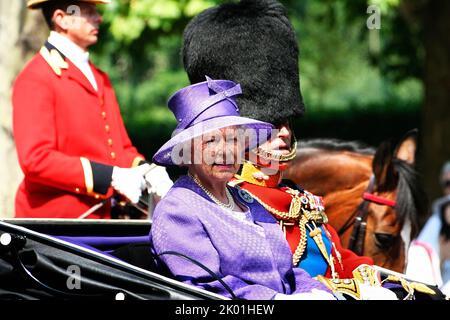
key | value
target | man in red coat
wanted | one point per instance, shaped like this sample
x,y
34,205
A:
x,y
71,141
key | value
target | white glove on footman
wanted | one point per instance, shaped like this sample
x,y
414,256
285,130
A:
x,y
315,294
129,182
158,181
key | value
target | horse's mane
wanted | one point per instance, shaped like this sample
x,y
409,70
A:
x,y
411,199
337,145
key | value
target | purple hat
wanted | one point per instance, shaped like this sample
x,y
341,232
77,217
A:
x,y
205,107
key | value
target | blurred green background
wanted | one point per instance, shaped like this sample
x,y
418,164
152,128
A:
x,y
348,88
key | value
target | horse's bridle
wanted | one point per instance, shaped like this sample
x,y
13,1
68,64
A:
x,y
359,218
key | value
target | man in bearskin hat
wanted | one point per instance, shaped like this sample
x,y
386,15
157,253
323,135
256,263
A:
x,y
71,141
253,43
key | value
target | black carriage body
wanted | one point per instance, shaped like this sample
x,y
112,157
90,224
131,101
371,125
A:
x,y
84,259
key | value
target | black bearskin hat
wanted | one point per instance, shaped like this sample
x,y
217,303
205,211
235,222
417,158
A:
x,y
253,43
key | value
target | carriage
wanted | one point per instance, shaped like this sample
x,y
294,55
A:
x,y
111,259
103,260
84,259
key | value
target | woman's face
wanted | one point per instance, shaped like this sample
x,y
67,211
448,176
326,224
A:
x,y
216,155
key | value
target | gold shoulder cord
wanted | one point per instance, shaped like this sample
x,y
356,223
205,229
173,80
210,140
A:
x,y
316,234
302,243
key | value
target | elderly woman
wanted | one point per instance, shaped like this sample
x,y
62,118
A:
x,y
210,225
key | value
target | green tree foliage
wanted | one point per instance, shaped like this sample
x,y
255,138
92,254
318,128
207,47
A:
x,y
139,48
345,65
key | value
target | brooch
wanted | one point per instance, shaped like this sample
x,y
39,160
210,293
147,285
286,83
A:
x,y
245,196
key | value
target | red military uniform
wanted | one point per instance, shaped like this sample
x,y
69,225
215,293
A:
x,y
279,200
68,138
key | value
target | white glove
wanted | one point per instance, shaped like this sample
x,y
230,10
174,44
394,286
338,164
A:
x,y
368,292
158,181
129,182
315,294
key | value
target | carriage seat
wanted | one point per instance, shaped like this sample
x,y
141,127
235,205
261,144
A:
x,y
133,250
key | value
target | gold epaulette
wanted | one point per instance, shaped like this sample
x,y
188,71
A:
x,y
301,201
54,60
248,172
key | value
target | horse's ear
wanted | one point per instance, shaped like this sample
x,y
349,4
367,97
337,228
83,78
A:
x,y
382,163
406,148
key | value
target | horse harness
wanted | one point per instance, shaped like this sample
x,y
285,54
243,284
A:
x,y
356,243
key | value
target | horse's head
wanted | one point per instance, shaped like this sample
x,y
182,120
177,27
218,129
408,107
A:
x,y
394,203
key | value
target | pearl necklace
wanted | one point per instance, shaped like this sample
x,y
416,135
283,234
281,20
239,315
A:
x,y
229,206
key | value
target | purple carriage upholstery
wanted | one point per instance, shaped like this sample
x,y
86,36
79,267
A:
x,y
132,249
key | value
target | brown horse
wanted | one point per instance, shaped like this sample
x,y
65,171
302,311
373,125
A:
x,y
372,197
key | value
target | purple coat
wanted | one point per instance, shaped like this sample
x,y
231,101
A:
x,y
249,253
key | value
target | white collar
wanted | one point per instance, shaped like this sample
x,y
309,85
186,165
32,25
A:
x,y
68,48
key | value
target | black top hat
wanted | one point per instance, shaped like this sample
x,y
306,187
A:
x,y
252,43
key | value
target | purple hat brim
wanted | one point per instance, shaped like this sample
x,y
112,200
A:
x,y
163,156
